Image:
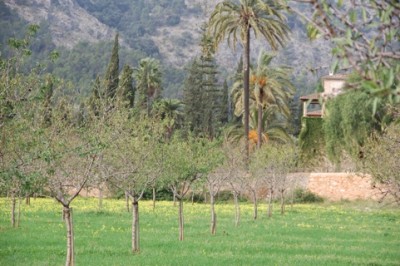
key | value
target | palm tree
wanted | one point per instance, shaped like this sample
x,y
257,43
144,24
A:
x,y
148,82
233,19
170,111
274,126
269,99
272,87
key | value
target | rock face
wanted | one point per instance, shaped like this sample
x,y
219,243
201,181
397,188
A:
x,y
69,23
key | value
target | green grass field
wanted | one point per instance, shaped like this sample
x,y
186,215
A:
x,y
324,234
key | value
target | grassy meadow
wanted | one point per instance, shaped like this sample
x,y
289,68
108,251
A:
x,y
359,233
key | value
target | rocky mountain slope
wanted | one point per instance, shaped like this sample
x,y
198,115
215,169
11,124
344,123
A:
x,y
177,44
69,23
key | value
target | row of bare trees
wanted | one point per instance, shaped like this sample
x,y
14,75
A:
x,y
51,148
131,153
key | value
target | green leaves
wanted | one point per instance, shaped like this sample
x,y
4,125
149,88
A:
x,y
54,55
334,66
312,32
32,29
350,119
353,15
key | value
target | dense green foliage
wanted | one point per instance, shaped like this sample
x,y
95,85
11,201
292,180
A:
x,y
306,196
340,234
348,122
311,140
83,63
126,91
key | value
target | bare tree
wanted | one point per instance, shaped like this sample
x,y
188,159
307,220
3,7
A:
x,y
234,169
68,157
186,162
132,160
253,184
272,164
382,161
214,180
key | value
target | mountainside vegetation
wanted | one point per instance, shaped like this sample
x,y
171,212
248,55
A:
x,y
169,31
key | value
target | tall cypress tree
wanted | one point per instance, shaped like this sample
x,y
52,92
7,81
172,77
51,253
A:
x,y
111,76
126,90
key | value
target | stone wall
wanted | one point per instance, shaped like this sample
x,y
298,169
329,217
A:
x,y
342,186
330,186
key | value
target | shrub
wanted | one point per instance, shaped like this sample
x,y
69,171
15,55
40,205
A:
x,y
306,196
224,196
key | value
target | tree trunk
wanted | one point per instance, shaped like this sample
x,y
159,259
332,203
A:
x,y
28,199
282,201
213,214
181,231
192,197
292,198
70,236
237,208
127,201
154,198
271,193
174,199
19,211
13,203
205,194
246,81
259,126
100,197
135,226
255,213
148,103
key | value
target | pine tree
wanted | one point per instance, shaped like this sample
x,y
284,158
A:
x,y
202,95
111,76
193,98
225,105
126,90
